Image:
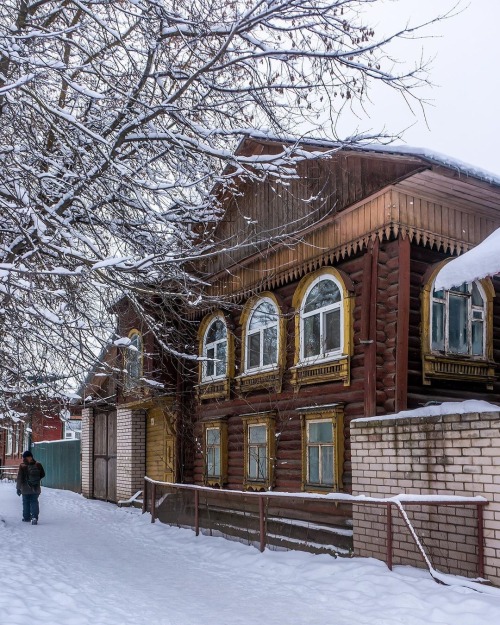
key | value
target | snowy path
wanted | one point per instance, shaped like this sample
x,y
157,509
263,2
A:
x,y
89,562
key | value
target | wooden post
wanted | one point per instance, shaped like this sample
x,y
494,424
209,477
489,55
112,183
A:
x,y
145,496
262,524
197,512
389,537
403,325
153,502
480,541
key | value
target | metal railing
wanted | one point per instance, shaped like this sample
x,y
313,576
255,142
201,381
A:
x,y
8,473
390,503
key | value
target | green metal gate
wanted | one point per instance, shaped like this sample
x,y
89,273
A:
x,y
61,461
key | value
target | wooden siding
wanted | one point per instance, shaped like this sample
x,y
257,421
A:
x,y
262,212
347,233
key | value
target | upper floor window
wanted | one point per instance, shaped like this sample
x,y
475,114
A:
x,y
133,359
215,351
457,332
321,320
262,336
458,320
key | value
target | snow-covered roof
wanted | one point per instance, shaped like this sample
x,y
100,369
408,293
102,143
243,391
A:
x,y
358,145
480,262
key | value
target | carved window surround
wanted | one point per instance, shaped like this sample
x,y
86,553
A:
x,y
268,380
331,371
217,389
450,368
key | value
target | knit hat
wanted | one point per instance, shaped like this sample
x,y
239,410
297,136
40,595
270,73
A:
x,y
27,454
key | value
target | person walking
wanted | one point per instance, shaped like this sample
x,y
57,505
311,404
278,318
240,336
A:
x,y
28,481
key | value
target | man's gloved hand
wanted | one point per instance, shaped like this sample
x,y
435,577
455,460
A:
x,y
18,492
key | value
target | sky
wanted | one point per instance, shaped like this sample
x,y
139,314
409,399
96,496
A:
x,y
462,118
89,562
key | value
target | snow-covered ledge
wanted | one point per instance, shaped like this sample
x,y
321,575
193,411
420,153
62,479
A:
x,y
447,449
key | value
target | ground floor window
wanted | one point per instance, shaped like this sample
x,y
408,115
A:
x,y
259,450
322,447
215,452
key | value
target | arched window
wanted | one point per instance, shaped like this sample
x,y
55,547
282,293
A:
x,y
215,351
133,359
262,336
321,320
458,320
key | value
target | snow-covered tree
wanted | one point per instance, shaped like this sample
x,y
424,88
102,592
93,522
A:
x,y
118,117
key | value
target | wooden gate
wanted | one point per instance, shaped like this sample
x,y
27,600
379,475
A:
x,y
105,456
161,457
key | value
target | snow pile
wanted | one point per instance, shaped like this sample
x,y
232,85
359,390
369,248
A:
x,y
91,563
479,262
436,410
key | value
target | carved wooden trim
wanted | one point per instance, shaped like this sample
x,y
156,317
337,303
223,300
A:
x,y
322,372
218,389
267,380
451,368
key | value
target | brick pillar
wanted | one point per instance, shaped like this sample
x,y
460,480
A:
x,y
130,452
88,452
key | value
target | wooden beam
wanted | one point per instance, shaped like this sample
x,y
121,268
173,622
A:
x,y
403,325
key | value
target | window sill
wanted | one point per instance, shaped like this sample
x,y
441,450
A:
x,y
255,486
270,380
215,389
319,372
215,482
457,368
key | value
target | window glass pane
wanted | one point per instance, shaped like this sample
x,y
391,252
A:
x,y
477,338
210,462
134,357
213,436
253,358
438,326
210,364
270,355
463,288
477,299
257,463
257,434
457,324
313,464
263,315
311,336
216,332
262,470
325,293
332,330
327,465
438,294
220,365
217,462
320,432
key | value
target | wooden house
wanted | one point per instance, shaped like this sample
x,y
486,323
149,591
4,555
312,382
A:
x,y
325,311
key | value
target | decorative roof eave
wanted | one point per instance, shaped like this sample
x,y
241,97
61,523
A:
x,y
384,216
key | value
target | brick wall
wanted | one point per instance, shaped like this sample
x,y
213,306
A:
x,y
87,440
130,451
455,454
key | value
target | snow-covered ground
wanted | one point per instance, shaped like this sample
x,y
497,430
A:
x,y
89,562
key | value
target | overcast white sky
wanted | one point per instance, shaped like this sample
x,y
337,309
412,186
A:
x,y
463,116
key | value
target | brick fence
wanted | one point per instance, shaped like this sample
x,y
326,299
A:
x,y
455,454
